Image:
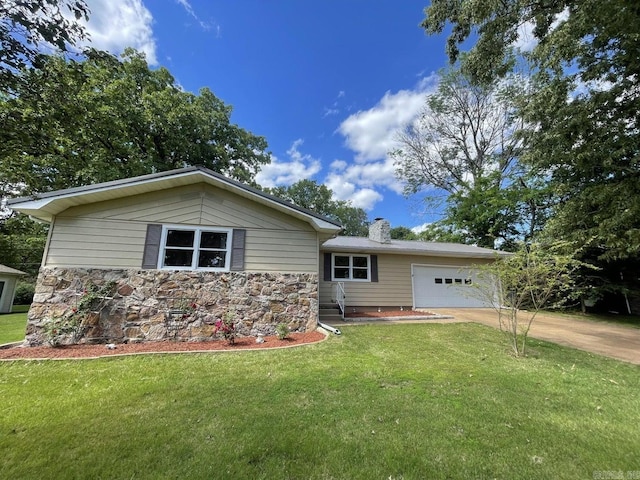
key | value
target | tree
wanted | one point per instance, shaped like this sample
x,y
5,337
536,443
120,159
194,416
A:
x,y
27,24
402,233
463,144
518,287
318,198
22,243
582,108
76,123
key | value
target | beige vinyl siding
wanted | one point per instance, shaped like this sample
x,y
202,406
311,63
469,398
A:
x,y
394,286
281,251
194,205
111,234
96,243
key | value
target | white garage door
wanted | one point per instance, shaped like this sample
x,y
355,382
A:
x,y
436,286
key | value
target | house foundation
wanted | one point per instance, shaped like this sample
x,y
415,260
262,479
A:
x,y
120,306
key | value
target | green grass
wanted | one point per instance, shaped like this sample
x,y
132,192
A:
x,y
405,401
13,325
626,320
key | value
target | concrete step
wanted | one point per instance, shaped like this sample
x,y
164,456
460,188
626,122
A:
x,y
330,315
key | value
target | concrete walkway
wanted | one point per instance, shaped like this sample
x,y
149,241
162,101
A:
x,y
609,339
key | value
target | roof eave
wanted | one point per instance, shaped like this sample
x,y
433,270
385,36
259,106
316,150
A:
x,y
46,206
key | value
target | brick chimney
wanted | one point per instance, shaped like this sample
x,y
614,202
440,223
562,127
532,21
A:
x,y
380,231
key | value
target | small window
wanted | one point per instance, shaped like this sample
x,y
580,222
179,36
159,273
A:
x,y
467,281
439,281
195,248
351,267
458,281
448,281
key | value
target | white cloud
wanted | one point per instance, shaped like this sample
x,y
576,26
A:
x,y
370,133
343,189
117,24
301,166
526,40
189,9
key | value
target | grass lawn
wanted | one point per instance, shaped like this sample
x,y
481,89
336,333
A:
x,y
408,401
13,325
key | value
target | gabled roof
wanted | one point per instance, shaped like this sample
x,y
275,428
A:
x,y
408,247
46,205
10,271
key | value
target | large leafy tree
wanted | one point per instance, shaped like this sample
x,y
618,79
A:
x,y
463,144
22,243
75,123
28,25
583,107
318,198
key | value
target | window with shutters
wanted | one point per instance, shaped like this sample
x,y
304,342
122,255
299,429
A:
x,y
350,267
184,248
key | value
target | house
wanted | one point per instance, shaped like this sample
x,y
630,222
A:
x,y
379,273
8,279
167,255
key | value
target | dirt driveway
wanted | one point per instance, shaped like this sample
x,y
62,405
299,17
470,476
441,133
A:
x,y
616,341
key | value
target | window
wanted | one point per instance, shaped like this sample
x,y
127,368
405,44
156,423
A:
x,y
195,248
351,267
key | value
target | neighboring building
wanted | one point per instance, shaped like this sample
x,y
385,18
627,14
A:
x,y
171,253
8,280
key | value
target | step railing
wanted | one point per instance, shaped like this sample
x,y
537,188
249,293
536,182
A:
x,y
340,297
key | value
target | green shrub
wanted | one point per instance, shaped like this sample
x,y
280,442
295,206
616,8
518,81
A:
x,y
282,330
24,293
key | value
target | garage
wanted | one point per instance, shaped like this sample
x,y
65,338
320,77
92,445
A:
x,y
442,286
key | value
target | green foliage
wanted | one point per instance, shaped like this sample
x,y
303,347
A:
x,y
282,331
463,145
77,123
24,293
22,243
582,105
226,327
442,232
318,198
535,277
402,233
403,401
25,25
70,327
63,330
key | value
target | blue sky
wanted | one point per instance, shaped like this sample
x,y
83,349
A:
x,y
326,83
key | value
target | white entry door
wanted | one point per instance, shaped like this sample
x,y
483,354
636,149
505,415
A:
x,y
438,286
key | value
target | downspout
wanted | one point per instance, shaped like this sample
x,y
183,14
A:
x,y
329,328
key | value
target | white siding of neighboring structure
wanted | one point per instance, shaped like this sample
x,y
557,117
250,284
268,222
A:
x,y
8,290
394,286
111,234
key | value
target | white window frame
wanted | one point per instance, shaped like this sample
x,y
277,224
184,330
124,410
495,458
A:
x,y
350,267
196,247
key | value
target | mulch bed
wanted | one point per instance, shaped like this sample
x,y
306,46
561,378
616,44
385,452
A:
x,y
96,351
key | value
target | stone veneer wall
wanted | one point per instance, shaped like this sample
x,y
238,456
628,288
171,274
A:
x,y
155,305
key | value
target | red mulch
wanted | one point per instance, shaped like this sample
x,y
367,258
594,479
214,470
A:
x,y
93,351
387,313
